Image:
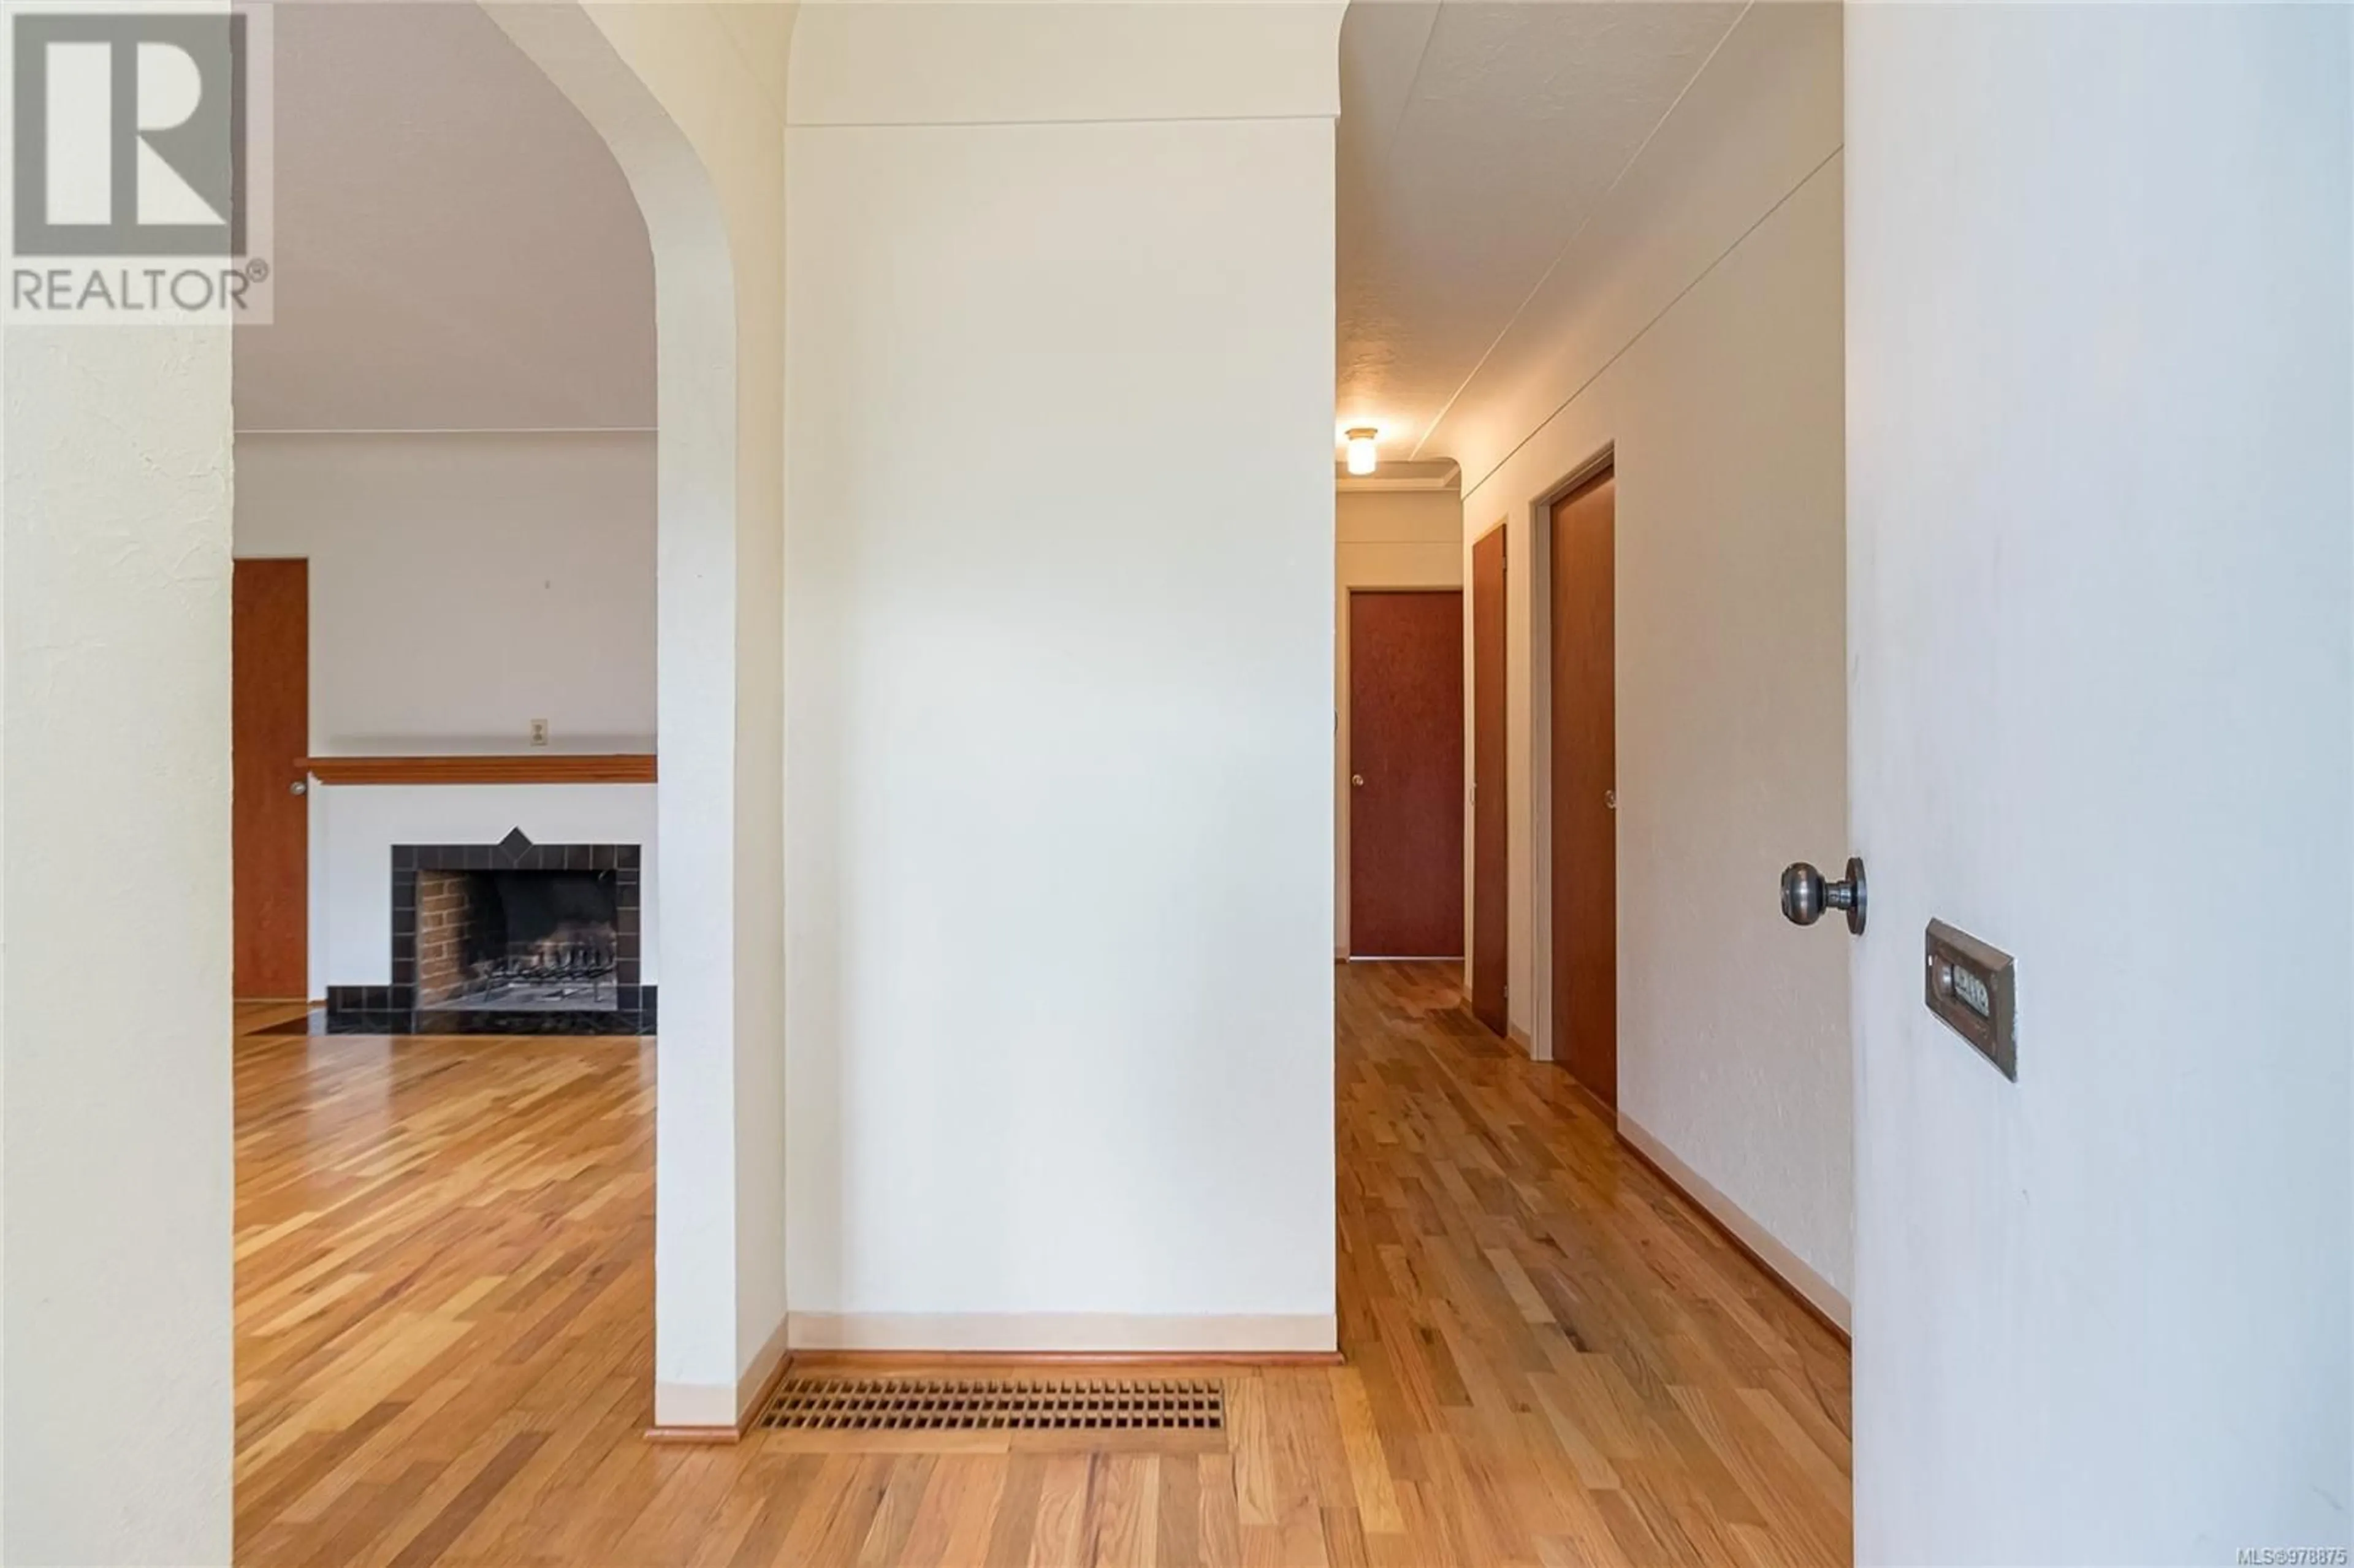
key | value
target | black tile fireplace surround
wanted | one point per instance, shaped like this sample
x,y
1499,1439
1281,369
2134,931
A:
x,y
623,1006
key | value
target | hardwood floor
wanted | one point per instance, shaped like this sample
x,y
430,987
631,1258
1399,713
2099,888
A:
x,y
444,1343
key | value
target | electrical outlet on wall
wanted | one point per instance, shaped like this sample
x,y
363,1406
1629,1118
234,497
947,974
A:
x,y
539,732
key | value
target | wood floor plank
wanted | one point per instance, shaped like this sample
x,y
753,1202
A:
x,y
1121,1526
783,1488
1065,1489
1017,1525
894,1519
444,1276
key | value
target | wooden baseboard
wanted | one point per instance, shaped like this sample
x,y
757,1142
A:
x,y
1098,1336
1810,1291
1061,1360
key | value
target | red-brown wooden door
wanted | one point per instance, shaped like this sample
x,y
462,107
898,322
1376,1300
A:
x,y
1490,908
1585,765
1405,767
270,708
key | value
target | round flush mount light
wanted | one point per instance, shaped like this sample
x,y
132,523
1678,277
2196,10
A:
x,y
1361,440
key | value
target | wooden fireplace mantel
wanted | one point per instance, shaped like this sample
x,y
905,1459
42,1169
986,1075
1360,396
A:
x,y
521,767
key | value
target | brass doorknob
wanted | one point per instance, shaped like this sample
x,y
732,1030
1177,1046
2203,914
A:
x,y
1805,895
1357,781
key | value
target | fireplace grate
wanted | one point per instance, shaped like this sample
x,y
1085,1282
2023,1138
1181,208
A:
x,y
550,962
1013,1405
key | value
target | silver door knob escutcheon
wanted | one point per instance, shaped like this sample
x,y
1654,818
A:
x,y
300,787
1805,895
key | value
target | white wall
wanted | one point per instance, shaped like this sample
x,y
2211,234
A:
x,y
462,585
115,1422
1384,539
2101,361
1060,1020
1704,344
691,99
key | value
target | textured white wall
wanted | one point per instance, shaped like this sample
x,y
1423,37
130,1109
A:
x,y
114,1077
462,586
1707,349
1384,539
2101,432
1060,879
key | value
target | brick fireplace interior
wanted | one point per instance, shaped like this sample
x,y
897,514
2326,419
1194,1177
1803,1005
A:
x,y
516,939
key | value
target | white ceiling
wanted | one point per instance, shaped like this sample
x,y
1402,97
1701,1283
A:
x,y
1476,138
455,247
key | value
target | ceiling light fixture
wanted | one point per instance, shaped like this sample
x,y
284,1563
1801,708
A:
x,y
1361,456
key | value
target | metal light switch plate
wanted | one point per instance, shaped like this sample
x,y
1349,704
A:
x,y
1974,989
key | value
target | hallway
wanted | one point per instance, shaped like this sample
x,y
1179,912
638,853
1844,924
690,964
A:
x,y
444,1292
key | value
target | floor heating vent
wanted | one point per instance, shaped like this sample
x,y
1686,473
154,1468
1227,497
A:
x,y
1010,1406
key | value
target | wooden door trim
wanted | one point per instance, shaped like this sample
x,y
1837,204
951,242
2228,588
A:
x,y
1476,937
1603,459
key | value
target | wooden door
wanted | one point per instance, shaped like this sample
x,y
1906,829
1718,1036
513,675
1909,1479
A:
x,y
1491,908
1584,754
1406,767
269,718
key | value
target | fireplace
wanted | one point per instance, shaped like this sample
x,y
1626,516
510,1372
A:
x,y
510,937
